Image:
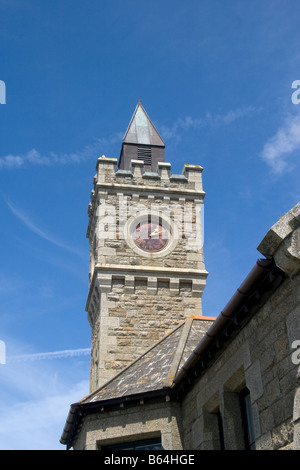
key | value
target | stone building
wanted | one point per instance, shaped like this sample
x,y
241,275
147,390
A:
x,y
164,375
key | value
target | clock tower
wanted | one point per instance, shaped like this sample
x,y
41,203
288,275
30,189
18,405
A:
x,y
145,231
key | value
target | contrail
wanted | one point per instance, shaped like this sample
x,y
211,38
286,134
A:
x,y
49,355
35,229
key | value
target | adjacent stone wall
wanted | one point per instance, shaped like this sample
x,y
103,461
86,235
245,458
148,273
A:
x,y
259,358
137,423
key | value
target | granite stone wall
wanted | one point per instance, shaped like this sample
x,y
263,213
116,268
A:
x,y
262,358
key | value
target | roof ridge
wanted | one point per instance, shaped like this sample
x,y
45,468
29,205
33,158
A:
x,y
179,351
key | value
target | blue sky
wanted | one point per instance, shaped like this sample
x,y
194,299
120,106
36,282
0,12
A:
x,y
215,77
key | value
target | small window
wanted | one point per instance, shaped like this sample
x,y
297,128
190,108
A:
x,y
144,153
146,444
247,420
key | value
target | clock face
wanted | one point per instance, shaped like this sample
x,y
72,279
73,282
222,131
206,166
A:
x,y
151,236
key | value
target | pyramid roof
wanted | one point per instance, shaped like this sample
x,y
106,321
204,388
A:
x,y
141,130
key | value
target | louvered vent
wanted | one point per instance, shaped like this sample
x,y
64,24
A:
x,y
144,153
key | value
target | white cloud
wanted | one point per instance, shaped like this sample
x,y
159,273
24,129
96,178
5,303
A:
x,y
37,424
17,161
33,157
282,145
35,396
50,355
182,124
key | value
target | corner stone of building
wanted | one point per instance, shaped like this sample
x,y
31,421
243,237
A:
x,y
282,242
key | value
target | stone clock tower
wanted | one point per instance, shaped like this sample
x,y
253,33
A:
x,y
145,231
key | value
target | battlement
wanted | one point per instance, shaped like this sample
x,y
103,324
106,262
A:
x,y
107,172
136,181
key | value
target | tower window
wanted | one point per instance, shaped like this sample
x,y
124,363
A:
x,y
221,431
144,153
247,419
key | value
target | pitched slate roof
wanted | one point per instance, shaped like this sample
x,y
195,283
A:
x,y
157,367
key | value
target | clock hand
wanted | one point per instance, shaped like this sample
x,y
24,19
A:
x,y
155,232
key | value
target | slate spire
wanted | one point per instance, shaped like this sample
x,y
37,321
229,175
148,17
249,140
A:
x,y
141,142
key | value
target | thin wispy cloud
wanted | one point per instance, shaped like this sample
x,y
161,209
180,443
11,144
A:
x,y
49,355
35,158
41,233
211,120
282,145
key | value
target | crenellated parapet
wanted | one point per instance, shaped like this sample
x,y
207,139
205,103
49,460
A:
x,y
108,172
161,183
